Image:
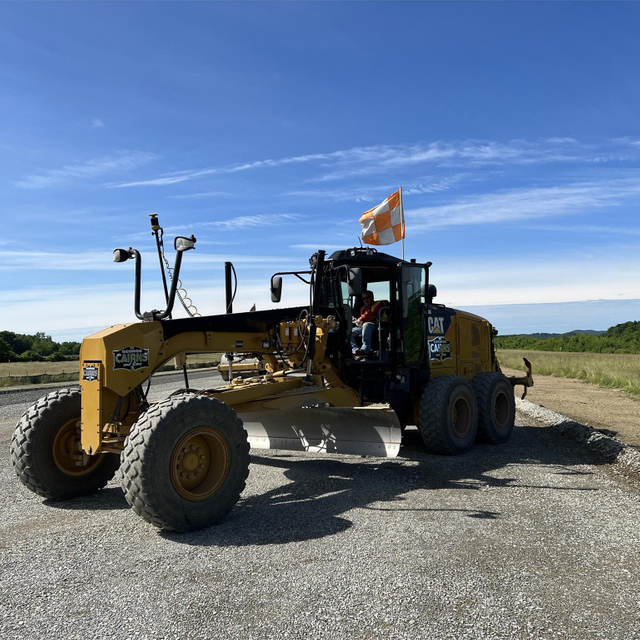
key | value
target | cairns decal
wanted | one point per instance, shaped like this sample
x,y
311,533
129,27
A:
x,y
439,349
90,372
131,358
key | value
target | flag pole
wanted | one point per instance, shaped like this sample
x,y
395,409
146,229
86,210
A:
x,y
402,221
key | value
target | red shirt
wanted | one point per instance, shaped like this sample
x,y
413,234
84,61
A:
x,y
369,313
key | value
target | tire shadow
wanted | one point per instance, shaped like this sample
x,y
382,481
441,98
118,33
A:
x,y
109,498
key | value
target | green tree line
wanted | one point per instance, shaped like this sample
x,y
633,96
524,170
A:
x,y
621,338
39,347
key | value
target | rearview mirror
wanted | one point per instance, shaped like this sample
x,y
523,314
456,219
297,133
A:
x,y
276,289
355,283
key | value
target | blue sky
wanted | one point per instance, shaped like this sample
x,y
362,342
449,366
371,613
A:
x,y
266,129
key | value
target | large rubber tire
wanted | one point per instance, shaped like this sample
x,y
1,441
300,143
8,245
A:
x,y
448,415
496,407
42,447
167,444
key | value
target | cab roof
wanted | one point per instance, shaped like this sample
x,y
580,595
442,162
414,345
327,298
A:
x,y
363,256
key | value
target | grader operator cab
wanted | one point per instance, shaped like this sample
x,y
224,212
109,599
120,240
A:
x,y
184,460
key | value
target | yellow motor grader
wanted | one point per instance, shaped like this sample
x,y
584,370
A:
x,y
184,460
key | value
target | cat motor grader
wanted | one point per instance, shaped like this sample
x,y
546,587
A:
x,y
184,460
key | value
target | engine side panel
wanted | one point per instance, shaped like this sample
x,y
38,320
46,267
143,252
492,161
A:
x,y
459,343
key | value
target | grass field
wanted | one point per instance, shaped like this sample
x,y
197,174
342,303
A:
x,y
613,370
23,373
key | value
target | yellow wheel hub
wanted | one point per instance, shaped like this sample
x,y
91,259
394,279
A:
x,y
67,452
200,464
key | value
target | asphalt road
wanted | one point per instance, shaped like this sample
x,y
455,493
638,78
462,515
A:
x,y
529,540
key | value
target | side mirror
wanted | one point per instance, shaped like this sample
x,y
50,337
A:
x,y
120,255
276,289
432,291
355,283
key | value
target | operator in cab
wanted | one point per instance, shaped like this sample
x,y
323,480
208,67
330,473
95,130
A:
x,y
366,324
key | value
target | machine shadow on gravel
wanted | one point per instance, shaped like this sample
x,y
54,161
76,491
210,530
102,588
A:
x,y
310,505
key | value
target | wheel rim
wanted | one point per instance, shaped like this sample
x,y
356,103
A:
x,y
200,464
67,453
461,417
501,410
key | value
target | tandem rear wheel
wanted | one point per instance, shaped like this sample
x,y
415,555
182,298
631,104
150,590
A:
x,y
496,406
185,463
454,412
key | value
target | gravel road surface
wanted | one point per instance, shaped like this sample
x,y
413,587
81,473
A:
x,y
529,540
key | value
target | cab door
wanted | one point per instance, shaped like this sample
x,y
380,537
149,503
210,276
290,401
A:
x,y
413,286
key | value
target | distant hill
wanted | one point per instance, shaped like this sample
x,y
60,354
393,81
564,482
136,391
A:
x,y
621,338
544,336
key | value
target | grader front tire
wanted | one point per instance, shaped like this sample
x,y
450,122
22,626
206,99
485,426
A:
x,y
185,463
448,415
45,450
496,407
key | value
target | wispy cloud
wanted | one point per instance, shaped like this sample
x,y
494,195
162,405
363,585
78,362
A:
x,y
372,192
315,247
525,204
337,165
156,182
121,161
585,228
98,260
561,140
101,260
257,220
96,123
241,222
360,194
470,154
204,194
183,176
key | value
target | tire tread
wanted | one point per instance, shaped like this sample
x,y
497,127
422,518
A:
x,y
133,464
23,440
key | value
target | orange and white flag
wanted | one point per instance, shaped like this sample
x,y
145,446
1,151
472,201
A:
x,y
384,224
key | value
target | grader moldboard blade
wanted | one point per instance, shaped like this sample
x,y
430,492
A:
x,y
367,431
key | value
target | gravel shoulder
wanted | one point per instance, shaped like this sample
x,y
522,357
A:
x,y
533,539
597,407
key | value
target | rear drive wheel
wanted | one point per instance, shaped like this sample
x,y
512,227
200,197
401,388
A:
x,y
448,415
496,406
46,452
185,463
